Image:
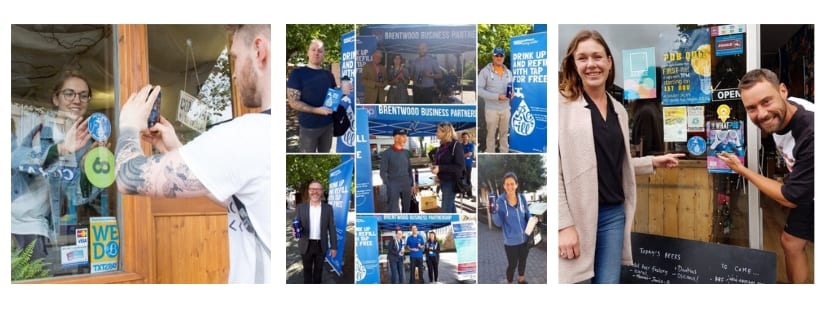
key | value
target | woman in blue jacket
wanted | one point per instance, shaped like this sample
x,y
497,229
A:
x,y
432,248
512,216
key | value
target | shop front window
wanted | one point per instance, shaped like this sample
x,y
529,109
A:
x,y
679,85
191,64
64,216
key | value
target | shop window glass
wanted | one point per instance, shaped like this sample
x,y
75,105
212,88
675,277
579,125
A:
x,y
64,200
191,64
646,80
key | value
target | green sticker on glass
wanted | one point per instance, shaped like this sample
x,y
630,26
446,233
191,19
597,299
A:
x,y
99,167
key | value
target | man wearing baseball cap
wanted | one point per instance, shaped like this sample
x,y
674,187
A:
x,y
397,173
492,84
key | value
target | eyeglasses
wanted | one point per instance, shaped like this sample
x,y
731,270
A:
x,y
499,55
70,94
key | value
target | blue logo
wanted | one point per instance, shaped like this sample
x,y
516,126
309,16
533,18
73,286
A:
x,y
696,145
99,127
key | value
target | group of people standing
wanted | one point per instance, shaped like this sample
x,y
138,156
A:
x,y
597,188
389,83
419,251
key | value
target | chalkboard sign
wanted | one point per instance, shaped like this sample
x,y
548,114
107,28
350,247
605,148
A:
x,y
667,260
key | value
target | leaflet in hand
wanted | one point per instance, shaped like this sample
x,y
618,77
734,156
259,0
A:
x,y
531,223
332,99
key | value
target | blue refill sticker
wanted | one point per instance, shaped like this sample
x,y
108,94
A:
x,y
99,127
696,145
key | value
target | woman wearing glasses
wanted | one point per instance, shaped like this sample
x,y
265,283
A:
x,y
45,162
448,165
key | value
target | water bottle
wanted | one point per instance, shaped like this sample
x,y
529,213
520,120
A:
x,y
492,205
509,90
297,228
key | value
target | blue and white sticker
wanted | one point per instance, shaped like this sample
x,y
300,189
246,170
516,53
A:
x,y
99,127
696,145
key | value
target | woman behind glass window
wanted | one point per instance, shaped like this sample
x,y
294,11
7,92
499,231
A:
x,y
43,162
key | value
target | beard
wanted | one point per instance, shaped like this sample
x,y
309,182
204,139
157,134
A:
x,y
247,88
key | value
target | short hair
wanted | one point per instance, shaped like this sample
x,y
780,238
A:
x,y
316,181
755,76
510,175
465,133
68,74
316,41
571,85
246,32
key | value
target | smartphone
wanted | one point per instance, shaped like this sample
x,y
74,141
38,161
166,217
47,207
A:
x,y
153,117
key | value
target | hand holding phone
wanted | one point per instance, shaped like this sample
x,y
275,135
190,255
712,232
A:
x,y
153,117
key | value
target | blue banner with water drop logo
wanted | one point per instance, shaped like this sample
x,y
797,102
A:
x,y
528,118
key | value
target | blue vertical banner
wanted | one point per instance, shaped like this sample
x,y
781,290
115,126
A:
x,y
365,45
528,120
367,250
345,143
465,238
364,180
339,199
687,70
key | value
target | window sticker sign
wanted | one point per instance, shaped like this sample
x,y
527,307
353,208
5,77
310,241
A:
x,y
105,244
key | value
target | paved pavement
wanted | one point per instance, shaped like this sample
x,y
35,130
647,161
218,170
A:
x,y
492,261
293,261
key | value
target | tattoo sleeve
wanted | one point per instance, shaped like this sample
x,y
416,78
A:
x,y
294,100
163,175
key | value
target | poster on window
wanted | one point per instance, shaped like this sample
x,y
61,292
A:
x,y
639,74
724,137
191,112
674,124
687,69
105,244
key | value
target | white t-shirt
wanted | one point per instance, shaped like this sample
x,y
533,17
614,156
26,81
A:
x,y
235,159
315,222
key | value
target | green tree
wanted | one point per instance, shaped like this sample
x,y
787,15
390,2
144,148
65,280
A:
x,y
299,37
491,36
530,169
301,169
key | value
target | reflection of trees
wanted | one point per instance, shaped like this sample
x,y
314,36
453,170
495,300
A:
x,y
532,175
216,91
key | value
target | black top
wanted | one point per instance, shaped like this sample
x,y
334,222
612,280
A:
x,y
609,152
799,187
648,125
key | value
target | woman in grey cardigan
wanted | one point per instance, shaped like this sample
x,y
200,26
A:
x,y
596,174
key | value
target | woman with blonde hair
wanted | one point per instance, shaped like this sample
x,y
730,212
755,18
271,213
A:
x,y
448,165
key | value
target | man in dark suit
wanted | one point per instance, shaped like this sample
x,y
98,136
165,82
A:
x,y
316,218
395,256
